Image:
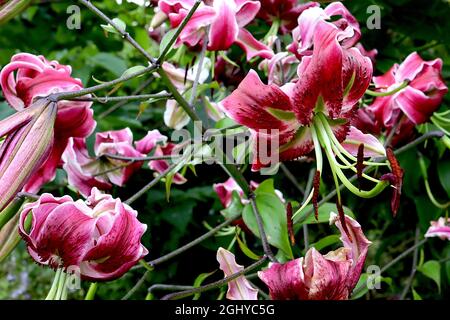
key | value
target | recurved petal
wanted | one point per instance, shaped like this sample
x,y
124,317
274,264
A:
x,y
117,250
251,46
285,281
146,144
239,289
259,106
372,146
224,29
358,246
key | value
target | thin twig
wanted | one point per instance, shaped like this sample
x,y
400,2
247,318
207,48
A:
x,y
191,244
217,284
124,98
150,184
125,35
262,233
149,158
199,69
177,33
292,178
136,286
414,266
403,255
120,104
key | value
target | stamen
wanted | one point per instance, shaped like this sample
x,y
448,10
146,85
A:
x,y
395,178
315,198
290,224
342,219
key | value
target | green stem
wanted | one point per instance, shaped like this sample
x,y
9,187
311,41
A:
x,y
191,244
90,295
74,94
177,33
140,97
261,231
214,285
54,288
125,35
387,93
10,211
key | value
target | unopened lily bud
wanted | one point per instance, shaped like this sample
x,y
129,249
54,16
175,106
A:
x,y
158,19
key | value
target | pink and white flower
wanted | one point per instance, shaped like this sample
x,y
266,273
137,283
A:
x,y
439,228
421,96
225,19
23,81
85,172
321,277
240,288
101,236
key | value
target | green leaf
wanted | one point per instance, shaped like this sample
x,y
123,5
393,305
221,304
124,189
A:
x,y
432,270
326,242
109,62
362,287
273,214
166,39
133,70
119,23
199,280
245,249
234,208
324,214
416,296
443,169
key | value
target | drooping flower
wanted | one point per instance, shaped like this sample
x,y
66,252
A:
x,y
111,164
174,116
225,19
321,277
101,236
240,288
284,12
303,34
439,228
279,67
40,129
422,91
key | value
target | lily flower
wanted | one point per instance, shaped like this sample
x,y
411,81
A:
x,y
113,162
414,88
240,288
40,130
321,277
101,236
439,228
335,14
312,113
223,22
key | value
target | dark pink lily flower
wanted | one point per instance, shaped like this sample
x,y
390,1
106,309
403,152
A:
x,y
303,34
321,277
439,228
26,78
226,20
421,96
101,236
85,172
285,11
331,82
